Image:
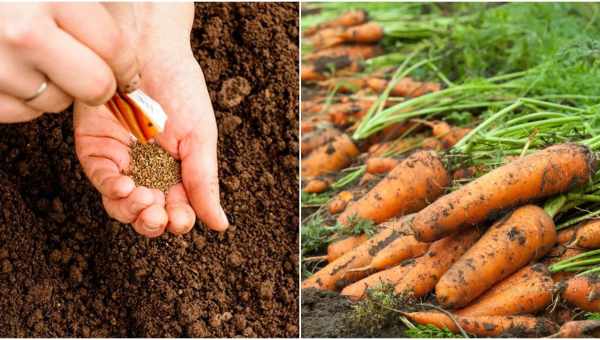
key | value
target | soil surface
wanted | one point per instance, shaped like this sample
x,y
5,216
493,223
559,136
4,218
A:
x,y
67,269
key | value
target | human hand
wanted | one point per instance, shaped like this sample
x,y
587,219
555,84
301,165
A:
x,y
76,48
171,76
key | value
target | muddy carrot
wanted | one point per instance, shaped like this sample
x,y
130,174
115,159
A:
x,y
313,123
340,247
410,186
316,185
406,87
586,235
344,113
522,236
354,52
426,270
330,157
526,291
492,326
313,140
340,273
541,174
579,329
339,203
310,73
400,249
583,292
357,290
381,165
348,19
367,33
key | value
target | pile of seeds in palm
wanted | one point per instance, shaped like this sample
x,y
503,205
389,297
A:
x,y
153,167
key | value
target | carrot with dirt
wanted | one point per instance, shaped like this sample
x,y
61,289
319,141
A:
x,y
339,273
579,329
340,247
525,292
344,113
489,326
314,139
354,52
406,87
583,291
586,235
400,249
348,19
330,157
543,173
425,271
310,73
411,185
357,290
381,165
522,236
316,185
339,202
368,33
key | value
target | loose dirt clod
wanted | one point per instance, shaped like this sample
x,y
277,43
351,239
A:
x,y
153,167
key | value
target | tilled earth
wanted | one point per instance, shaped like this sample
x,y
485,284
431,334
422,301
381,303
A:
x,y
67,269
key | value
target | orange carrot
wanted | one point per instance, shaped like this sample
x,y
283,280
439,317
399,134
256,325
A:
x,y
357,290
586,235
410,186
344,113
313,140
432,143
426,270
330,157
310,73
522,236
400,249
366,178
340,273
526,291
584,292
338,248
348,19
313,123
491,326
406,87
541,174
338,204
579,329
316,185
367,33
381,165
354,52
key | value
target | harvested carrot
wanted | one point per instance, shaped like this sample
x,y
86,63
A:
x,y
410,186
492,326
354,52
316,185
547,172
310,73
426,270
579,329
340,247
526,291
330,157
583,292
344,113
348,19
357,290
313,140
381,165
339,203
586,235
370,32
400,249
314,123
406,87
522,236
340,273
464,173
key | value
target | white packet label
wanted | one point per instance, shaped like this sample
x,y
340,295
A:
x,y
154,112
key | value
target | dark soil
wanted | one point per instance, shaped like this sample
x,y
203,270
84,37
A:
x,y
67,269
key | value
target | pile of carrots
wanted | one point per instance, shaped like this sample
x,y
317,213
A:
x,y
481,242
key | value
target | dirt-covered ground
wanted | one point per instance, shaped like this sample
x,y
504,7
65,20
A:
x,y
66,269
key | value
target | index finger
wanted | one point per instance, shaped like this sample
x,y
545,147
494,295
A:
x,y
92,25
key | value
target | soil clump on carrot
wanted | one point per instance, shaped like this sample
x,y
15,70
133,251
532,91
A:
x,y
68,270
153,167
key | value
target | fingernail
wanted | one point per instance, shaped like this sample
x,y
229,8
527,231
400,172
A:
x,y
224,219
133,85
